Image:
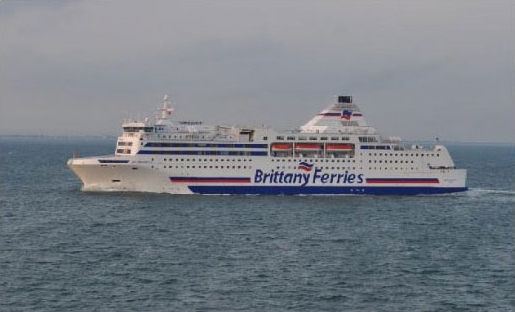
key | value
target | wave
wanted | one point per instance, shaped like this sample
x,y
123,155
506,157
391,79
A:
x,y
493,195
483,191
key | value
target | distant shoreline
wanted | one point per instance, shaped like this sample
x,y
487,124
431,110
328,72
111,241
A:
x,y
114,137
42,136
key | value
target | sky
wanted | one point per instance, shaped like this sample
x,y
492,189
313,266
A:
x,y
417,69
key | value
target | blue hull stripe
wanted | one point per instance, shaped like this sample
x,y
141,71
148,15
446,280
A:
x,y
321,190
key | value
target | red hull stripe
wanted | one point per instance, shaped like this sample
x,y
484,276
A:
x,y
209,180
403,180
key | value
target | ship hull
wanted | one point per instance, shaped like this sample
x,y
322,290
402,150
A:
x,y
144,177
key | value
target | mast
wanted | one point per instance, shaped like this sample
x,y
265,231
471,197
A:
x,y
167,109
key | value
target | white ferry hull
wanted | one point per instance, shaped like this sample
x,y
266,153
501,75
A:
x,y
144,178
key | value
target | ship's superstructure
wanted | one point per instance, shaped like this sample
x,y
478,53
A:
x,y
336,152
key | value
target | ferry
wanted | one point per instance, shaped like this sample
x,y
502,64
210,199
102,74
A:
x,y
335,153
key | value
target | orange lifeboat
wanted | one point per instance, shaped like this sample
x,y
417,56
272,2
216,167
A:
x,y
308,147
339,147
277,147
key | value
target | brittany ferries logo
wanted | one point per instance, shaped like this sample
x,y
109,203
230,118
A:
x,y
305,166
311,175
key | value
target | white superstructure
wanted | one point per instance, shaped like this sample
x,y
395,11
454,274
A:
x,y
336,152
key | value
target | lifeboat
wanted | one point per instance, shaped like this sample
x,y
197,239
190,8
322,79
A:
x,y
340,147
277,147
308,147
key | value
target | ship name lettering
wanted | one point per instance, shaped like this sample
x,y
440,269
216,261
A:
x,y
302,179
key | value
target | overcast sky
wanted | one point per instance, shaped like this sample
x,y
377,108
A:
x,y
417,69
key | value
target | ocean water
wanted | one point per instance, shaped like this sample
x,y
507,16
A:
x,y
66,250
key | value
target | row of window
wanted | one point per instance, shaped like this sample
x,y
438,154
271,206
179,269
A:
x,y
123,151
283,167
367,139
205,159
327,168
311,138
377,147
208,167
212,145
403,155
391,168
137,129
350,168
391,161
314,160
185,137
219,153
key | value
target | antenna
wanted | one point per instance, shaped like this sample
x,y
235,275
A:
x,y
167,109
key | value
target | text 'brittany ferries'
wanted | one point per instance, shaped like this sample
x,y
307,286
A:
x,y
303,179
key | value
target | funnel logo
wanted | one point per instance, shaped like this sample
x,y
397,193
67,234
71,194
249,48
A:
x,y
346,114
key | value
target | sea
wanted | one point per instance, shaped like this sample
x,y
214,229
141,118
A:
x,y
63,249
